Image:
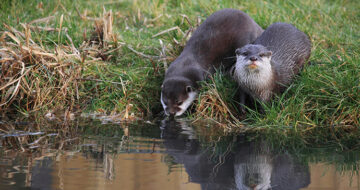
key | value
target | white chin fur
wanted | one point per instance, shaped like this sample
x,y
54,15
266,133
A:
x,y
250,78
163,104
186,103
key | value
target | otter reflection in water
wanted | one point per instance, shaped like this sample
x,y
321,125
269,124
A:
x,y
242,165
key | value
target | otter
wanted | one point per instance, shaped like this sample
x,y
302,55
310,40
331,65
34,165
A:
x,y
270,64
210,47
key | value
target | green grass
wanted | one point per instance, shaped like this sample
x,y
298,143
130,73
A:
x,y
327,93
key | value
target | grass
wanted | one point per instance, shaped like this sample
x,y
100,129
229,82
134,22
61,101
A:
x,y
119,70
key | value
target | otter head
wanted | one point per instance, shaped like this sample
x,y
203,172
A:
x,y
177,94
253,70
253,58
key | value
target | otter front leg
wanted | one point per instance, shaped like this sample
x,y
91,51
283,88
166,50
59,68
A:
x,y
242,102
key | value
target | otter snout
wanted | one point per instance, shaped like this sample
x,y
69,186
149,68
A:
x,y
252,65
253,58
173,110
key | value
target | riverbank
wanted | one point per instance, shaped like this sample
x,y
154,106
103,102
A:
x,y
122,155
110,58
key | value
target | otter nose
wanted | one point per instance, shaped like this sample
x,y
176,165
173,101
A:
x,y
253,59
172,113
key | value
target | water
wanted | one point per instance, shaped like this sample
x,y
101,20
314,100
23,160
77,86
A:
x,y
163,155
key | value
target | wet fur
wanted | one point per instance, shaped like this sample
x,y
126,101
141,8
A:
x,y
210,47
290,49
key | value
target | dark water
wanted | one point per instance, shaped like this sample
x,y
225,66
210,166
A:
x,y
163,155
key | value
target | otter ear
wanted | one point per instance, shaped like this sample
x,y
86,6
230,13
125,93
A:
x,y
268,53
189,89
238,51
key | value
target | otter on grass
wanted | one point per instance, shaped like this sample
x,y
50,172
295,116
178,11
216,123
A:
x,y
270,64
210,47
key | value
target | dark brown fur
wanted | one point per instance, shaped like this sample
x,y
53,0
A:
x,y
287,48
291,49
212,45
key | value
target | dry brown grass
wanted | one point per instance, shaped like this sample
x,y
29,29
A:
x,y
36,76
212,106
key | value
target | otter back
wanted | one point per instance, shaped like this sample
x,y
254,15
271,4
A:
x,y
290,48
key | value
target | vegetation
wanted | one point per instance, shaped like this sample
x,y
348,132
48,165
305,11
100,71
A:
x,y
111,56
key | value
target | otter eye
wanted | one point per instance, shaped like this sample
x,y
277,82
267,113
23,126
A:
x,y
245,53
188,89
265,54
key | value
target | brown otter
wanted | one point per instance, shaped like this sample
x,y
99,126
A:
x,y
270,64
210,46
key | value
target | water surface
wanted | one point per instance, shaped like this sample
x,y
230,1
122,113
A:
x,y
162,155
